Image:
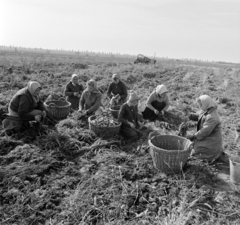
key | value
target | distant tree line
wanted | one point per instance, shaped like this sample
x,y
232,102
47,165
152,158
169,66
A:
x,y
62,51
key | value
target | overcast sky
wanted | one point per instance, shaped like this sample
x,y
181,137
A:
x,y
196,29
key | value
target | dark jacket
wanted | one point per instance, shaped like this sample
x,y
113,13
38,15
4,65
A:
x,y
90,101
119,88
23,103
128,114
208,138
69,92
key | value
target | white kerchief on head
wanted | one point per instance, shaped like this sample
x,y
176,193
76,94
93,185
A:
x,y
116,75
133,97
207,102
92,83
33,86
74,75
160,89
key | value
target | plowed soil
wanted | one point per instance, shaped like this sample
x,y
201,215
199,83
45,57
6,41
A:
x,y
67,175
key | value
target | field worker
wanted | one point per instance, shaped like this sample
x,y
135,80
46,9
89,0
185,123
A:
x,y
25,106
157,103
128,116
117,90
73,91
90,101
208,138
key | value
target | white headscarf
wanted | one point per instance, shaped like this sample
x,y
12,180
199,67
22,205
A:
x,y
32,87
116,75
74,75
160,89
207,102
133,97
92,83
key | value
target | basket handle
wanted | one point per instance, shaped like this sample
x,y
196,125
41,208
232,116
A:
x,y
90,118
62,99
190,147
52,105
104,114
152,135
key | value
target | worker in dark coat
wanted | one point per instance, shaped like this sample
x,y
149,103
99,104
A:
x,y
128,116
157,103
73,91
90,101
208,138
117,90
25,106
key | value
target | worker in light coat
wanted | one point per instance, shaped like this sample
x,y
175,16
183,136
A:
x,y
90,101
157,103
208,137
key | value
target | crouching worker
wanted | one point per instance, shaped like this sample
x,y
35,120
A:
x,y
90,102
208,138
25,106
73,91
128,116
117,91
157,104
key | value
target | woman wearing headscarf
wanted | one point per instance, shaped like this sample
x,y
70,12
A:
x,y
117,90
157,103
208,138
25,106
91,97
128,116
73,91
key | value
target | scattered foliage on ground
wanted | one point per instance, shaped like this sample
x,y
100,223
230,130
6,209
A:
x,y
67,175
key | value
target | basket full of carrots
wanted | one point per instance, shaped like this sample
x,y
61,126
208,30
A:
x,y
104,125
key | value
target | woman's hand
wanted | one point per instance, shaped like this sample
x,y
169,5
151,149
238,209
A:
x,y
83,112
156,111
44,114
38,118
131,125
140,125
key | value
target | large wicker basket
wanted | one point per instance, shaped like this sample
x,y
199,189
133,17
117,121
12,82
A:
x,y
169,153
115,110
104,131
58,109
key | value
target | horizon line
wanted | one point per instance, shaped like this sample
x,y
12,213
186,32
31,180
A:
x,y
48,51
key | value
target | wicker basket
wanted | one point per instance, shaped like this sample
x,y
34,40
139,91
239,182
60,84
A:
x,y
169,153
58,109
106,132
115,110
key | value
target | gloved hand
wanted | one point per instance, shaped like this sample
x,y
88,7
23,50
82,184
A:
x,y
117,97
131,125
156,111
191,137
76,94
38,118
44,114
